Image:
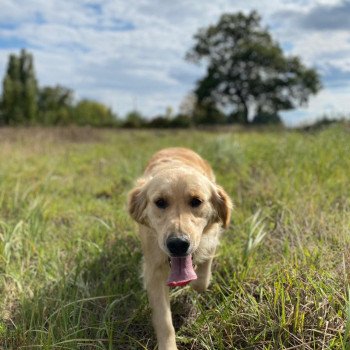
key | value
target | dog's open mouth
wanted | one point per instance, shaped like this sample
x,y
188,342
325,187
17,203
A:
x,y
181,272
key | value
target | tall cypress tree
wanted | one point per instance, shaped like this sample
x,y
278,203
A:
x,y
29,87
20,91
11,92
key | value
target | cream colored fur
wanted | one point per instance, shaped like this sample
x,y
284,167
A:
x,y
176,175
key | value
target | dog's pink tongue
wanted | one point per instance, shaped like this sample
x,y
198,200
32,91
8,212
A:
x,y
182,271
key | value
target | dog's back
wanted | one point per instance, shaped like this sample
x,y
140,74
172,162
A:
x,y
177,156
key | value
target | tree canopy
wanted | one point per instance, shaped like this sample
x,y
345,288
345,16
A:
x,y
88,112
55,105
247,71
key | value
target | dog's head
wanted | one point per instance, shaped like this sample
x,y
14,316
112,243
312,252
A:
x,y
180,205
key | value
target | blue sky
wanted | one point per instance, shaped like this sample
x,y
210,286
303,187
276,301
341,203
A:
x,y
131,54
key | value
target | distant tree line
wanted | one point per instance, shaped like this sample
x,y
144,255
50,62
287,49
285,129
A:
x,y
24,102
248,80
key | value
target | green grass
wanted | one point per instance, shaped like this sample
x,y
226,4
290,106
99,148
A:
x,y
70,256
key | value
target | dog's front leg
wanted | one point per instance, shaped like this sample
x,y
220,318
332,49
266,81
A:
x,y
203,276
155,276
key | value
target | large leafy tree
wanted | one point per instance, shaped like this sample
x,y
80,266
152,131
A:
x,y
247,71
20,89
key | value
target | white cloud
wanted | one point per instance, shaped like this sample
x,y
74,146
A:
x,y
329,2
331,103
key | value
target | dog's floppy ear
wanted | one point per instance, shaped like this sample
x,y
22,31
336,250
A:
x,y
137,202
223,206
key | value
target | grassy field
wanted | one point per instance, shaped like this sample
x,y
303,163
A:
x,y
70,257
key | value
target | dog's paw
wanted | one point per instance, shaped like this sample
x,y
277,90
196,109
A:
x,y
200,285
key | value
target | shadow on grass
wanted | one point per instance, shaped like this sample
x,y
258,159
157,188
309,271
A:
x,y
100,305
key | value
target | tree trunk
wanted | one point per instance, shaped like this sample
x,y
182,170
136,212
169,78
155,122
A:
x,y
246,113
245,110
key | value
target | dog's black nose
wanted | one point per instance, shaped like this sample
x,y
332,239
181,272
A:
x,y
178,246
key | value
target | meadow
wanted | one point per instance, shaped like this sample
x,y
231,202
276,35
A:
x,y
70,257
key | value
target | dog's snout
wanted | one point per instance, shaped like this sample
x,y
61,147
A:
x,y
178,246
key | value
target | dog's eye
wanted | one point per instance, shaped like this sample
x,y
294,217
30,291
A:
x,y
195,202
161,203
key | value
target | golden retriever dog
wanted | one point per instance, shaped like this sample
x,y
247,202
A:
x,y
181,212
